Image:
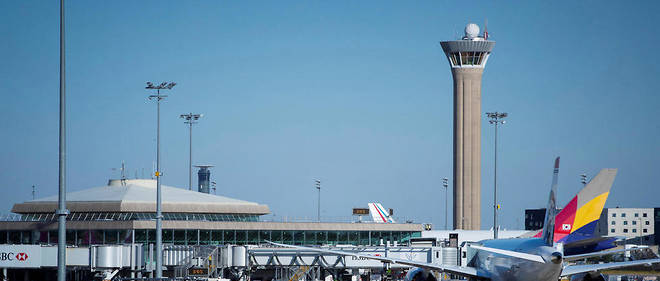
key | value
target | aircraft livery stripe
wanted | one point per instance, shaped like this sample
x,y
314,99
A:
x,y
590,211
380,213
387,215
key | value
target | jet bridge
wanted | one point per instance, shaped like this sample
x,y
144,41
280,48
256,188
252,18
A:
x,y
268,256
207,261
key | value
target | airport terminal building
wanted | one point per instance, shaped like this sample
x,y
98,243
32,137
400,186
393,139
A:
x,y
124,212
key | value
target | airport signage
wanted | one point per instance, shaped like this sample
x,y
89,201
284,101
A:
x,y
194,271
20,256
360,211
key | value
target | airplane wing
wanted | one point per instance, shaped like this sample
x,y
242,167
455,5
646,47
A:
x,y
586,268
602,253
458,270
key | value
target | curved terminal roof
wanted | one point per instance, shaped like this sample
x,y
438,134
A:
x,y
139,195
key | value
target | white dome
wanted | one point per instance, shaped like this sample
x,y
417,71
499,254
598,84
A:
x,y
471,30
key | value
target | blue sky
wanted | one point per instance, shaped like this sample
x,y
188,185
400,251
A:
x,y
355,93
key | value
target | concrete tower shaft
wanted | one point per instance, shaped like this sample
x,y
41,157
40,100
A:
x,y
467,59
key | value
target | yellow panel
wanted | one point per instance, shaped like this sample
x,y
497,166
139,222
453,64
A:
x,y
590,211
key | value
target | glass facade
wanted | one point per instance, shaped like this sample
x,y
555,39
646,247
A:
x,y
76,216
210,237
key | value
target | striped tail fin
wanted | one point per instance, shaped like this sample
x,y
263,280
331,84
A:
x,y
577,221
551,210
379,214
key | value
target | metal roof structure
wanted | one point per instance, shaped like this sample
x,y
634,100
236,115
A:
x,y
139,195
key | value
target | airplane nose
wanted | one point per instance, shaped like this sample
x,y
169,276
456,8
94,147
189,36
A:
x,y
556,257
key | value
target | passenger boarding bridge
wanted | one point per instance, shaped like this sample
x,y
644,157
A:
x,y
106,262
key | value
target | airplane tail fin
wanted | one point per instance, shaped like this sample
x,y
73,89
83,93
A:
x,y
578,220
379,214
576,223
551,210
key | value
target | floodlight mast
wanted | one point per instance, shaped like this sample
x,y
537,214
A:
x,y
445,183
190,119
61,211
583,178
159,214
318,210
496,119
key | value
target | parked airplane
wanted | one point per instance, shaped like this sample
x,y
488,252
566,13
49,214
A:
x,y
379,214
514,259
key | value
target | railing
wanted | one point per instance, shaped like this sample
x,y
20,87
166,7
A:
x,y
336,219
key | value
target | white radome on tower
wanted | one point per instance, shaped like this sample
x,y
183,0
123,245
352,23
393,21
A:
x,y
471,30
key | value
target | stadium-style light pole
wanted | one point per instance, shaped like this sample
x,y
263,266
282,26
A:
x,y
583,179
159,214
496,119
318,211
61,211
190,120
445,183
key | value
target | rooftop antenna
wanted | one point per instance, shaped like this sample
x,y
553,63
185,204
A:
x,y
123,170
33,192
486,29
123,173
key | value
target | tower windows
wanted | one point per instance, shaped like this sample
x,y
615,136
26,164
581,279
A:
x,y
467,58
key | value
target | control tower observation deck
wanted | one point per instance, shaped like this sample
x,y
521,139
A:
x,y
467,58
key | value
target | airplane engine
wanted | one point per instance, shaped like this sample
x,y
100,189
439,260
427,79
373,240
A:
x,y
589,277
419,274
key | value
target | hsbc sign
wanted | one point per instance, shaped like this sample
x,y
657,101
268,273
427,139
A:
x,y
9,256
20,256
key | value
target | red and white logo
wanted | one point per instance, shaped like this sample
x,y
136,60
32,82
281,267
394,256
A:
x,y
21,256
566,226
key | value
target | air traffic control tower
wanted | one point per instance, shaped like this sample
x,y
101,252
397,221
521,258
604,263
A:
x,y
467,58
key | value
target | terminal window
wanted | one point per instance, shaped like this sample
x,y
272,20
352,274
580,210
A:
x,y
625,230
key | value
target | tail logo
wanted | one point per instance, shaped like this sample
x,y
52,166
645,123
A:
x,y
566,226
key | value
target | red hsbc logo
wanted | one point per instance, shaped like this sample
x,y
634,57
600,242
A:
x,y
21,256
